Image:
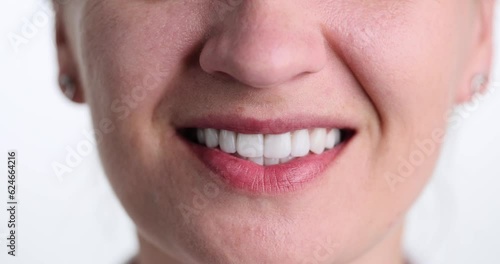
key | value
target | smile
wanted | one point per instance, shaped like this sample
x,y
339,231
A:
x,y
259,157
271,149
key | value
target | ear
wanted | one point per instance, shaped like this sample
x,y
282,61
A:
x,y
482,50
65,56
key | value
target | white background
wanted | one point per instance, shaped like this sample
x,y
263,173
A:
x,y
76,219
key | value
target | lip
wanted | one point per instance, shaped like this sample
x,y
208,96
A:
x,y
254,179
249,177
248,125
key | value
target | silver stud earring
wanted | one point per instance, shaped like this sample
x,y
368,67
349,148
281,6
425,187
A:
x,y
68,86
479,81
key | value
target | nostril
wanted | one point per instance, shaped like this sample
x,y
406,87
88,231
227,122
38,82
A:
x,y
219,75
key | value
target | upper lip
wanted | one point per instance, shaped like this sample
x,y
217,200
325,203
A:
x,y
252,125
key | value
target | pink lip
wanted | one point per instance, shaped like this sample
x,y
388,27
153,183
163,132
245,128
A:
x,y
244,175
247,176
272,126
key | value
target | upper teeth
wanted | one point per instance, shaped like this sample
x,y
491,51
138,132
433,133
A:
x,y
270,149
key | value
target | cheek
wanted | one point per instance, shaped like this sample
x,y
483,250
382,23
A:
x,y
131,52
407,69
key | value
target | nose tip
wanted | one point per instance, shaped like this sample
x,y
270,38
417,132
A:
x,y
262,53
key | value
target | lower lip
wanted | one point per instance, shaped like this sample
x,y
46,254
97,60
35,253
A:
x,y
244,175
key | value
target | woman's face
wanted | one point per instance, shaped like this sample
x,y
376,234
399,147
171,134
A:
x,y
385,72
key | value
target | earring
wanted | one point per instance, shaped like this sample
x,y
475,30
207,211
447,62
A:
x,y
68,85
479,81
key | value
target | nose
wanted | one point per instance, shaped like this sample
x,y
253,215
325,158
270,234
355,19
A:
x,y
264,44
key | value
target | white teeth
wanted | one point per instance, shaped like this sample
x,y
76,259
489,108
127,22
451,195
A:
x,y
287,159
300,143
318,140
250,146
277,146
332,138
270,149
258,160
200,134
211,137
227,141
271,161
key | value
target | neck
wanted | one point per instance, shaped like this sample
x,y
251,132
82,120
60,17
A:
x,y
387,251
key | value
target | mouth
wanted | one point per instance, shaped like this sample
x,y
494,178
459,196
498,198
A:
x,y
266,163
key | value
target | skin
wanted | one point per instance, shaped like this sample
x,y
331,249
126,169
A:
x,y
394,67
